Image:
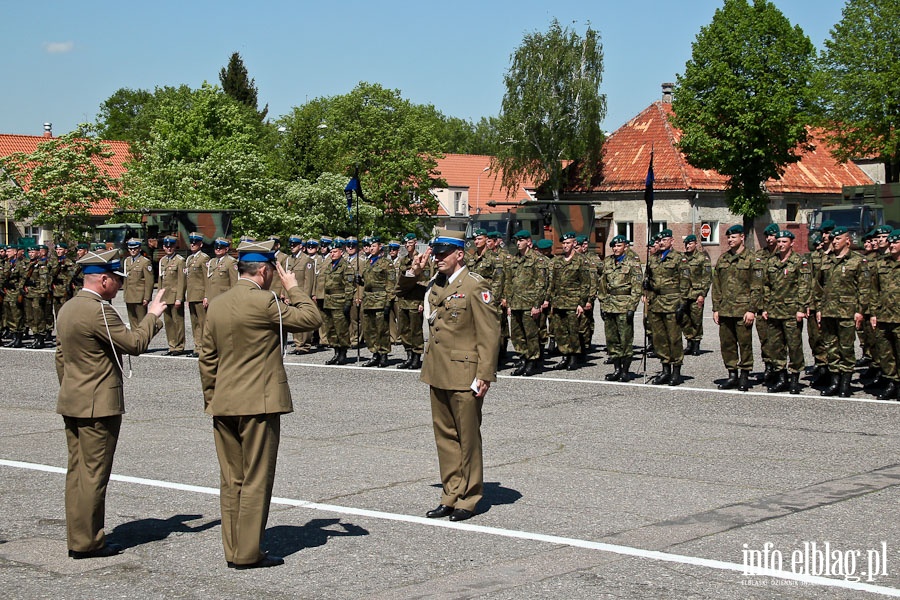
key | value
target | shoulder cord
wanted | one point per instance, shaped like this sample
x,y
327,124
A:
x,y
119,362
280,326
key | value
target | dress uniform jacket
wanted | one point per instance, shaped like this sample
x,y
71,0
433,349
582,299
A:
x,y
195,277
172,278
304,269
221,275
138,280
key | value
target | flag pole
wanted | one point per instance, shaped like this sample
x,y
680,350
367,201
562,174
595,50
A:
x,y
648,199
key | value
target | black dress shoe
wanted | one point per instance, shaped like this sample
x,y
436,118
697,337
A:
x,y
195,354
461,514
103,552
440,512
266,561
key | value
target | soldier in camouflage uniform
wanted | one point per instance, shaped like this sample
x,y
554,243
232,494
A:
x,y
669,288
786,282
504,260
872,339
356,261
545,325
737,294
762,257
378,281
37,288
652,257
619,293
14,318
886,316
526,293
821,242
698,269
568,294
411,309
338,277
586,320
62,270
484,261
840,298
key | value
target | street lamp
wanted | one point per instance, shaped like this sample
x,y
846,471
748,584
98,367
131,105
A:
x,y
478,191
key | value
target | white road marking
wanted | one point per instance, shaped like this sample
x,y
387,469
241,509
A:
x,y
496,531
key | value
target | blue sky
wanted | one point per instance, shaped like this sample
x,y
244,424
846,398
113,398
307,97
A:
x,y
63,58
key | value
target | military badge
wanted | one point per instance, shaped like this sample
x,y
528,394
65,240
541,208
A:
x,y
486,296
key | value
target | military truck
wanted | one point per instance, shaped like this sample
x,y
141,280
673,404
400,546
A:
x,y
542,219
154,224
862,208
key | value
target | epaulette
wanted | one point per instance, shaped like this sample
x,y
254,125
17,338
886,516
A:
x,y
475,276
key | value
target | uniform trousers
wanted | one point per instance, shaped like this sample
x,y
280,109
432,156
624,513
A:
x,y
816,343
198,322
888,349
375,330
784,340
173,320
92,444
409,323
525,334
586,329
564,325
619,334
456,418
762,332
736,343
136,313
247,447
13,315
693,323
666,338
337,327
839,340
36,313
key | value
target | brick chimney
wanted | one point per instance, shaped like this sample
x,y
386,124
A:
x,y
48,130
667,92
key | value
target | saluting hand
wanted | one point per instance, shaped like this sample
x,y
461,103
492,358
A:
x,y
288,278
158,305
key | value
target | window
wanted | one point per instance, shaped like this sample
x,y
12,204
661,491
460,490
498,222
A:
x,y
657,226
792,210
709,232
626,229
459,205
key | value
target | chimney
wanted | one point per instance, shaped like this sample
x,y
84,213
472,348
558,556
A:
x,y
667,92
48,130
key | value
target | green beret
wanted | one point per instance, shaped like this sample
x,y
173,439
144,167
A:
x,y
827,225
479,232
839,231
894,236
771,229
82,246
784,233
62,245
735,229
581,239
544,244
665,233
494,235
619,239
884,229
522,234
869,235
815,238
569,235
411,236
690,238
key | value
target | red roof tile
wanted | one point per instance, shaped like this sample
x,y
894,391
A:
x,y
469,171
626,156
27,144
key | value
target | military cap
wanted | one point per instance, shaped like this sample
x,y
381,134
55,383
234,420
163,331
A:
x,y
312,243
99,246
735,229
101,262
771,229
881,229
221,243
869,235
478,232
133,243
81,246
827,225
42,247
352,241
394,244
894,236
815,238
569,235
581,239
366,241
665,233
169,240
325,240
338,244
618,239
784,233
544,244
494,235
839,231
295,240
62,245
274,238
195,236
257,251
375,239
690,238
522,234
447,241
411,236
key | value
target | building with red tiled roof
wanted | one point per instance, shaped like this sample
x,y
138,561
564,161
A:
x,y
10,144
687,198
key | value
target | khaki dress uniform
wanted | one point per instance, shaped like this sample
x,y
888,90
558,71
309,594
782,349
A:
x,y
172,279
195,292
245,389
221,275
138,288
304,268
91,402
322,262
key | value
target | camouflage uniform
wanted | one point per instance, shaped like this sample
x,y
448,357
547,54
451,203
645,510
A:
x,y
886,310
697,267
37,289
813,330
338,286
785,294
13,301
736,290
762,327
379,281
526,289
570,288
669,290
586,320
60,282
619,293
410,318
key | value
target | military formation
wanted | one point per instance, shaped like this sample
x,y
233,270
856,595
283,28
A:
x,y
545,303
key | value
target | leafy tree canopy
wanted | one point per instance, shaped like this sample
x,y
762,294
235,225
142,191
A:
x,y
552,108
237,84
743,102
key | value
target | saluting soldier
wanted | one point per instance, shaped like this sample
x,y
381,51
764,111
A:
x,y
221,271
698,268
195,287
737,295
840,299
526,295
886,316
339,282
378,282
619,293
138,283
568,294
669,289
786,282
172,279
410,309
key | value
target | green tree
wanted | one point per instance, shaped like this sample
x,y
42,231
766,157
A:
x,y
320,207
125,116
744,100
237,84
57,184
857,83
552,108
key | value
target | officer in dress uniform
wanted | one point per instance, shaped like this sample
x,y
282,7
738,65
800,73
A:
x,y
172,279
221,271
195,287
138,283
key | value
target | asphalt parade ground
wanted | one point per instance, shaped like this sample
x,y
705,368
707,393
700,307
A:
x,y
593,489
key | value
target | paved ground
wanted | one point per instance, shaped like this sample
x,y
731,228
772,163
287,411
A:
x,y
594,490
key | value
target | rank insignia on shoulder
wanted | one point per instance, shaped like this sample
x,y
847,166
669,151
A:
x,y
475,276
486,296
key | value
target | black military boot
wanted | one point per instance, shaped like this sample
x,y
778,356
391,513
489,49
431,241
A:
x,y
676,376
664,377
408,362
779,382
617,374
520,367
626,370
382,360
16,340
574,363
876,378
731,382
4,333
333,360
696,349
417,362
743,381
795,383
845,390
820,375
564,363
767,375
889,392
832,389
531,368
38,341
373,362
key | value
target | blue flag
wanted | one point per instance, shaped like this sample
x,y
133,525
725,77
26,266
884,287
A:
x,y
353,186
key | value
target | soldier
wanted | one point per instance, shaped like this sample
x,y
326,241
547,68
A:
x,y
378,281
698,269
669,289
526,294
77,276
61,274
872,339
37,288
221,271
302,266
410,309
544,247
786,281
568,294
13,299
195,288
504,261
280,257
339,282
821,241
619,291
172,279
138,283
356,315
485,262
886,316
647,285
322,260
393,255
586,320
4,265
762,257
737,294
840,299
